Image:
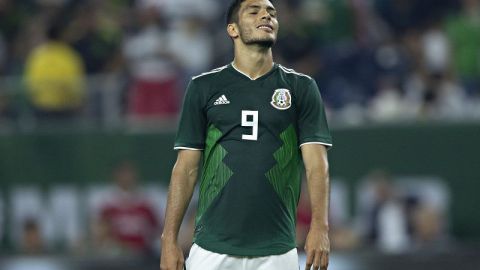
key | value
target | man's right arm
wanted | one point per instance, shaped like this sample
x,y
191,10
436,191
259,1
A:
x,y
182,184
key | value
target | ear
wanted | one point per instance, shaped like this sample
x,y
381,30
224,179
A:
x,y
232,30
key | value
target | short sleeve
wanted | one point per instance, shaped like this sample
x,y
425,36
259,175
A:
x,y
312,122
192,126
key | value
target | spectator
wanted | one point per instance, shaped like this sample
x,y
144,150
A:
x,y
13,15
427,227
179,9
54,76
188,38
383,215
388,104
436,50
444,98
127,222
463,30
154,90
96,36
31,239
347,45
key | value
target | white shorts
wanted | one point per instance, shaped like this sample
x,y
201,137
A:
x,y
201,259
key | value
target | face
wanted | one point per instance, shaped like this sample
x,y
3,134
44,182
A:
x,y
126,177
257,23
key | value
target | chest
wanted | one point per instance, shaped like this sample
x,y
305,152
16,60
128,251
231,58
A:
x,y
258,105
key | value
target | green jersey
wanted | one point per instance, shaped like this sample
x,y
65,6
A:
x,y
251,132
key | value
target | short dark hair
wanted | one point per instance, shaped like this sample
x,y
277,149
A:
x,y
232,12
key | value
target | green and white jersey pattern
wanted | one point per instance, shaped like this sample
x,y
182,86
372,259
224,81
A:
x,y
250,132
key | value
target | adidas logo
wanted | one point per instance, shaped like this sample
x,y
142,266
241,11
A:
x,y
221,100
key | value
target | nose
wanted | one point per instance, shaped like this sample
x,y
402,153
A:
x,y
266,15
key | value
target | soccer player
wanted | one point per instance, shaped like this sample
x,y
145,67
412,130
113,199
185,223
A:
x,y
253,121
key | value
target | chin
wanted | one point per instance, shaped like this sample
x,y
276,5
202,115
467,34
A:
x,y
264,42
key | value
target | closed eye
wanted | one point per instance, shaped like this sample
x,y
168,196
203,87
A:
x,y
272,11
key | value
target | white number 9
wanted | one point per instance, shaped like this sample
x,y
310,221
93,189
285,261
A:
x,y
252,123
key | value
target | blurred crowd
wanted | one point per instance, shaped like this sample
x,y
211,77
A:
x,y
123,217
374,60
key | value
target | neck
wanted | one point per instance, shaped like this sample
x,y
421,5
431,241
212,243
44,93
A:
x,y
253,60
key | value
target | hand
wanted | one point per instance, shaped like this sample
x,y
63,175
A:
x,y
172,257
317,247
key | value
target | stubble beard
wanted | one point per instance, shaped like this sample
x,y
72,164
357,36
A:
x,y
247,39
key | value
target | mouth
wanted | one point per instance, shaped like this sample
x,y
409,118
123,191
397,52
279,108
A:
x,y
265,27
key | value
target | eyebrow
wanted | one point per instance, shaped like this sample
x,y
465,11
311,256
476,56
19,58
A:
x,y
269,8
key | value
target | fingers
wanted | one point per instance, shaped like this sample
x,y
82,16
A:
x,y
172,263
317,260
180,263
310,257
180,266
324,260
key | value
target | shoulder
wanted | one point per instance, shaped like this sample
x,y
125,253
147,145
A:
x,y
294,74
209,75
204,81
200,85
296,79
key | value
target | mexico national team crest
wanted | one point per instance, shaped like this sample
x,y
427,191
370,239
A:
x,y
281,99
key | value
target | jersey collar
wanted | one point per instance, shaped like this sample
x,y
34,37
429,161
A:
x,y
274,67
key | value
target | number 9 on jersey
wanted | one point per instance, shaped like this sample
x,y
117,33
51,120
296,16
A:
x,y
250,119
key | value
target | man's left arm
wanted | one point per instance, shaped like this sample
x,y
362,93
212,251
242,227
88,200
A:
x,y
317,245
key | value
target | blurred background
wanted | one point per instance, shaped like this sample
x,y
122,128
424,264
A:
x,y
89,98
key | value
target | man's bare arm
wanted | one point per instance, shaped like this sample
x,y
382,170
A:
x,y
317,245
182,184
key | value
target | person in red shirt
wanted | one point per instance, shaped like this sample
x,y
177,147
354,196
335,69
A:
x,y
127,217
